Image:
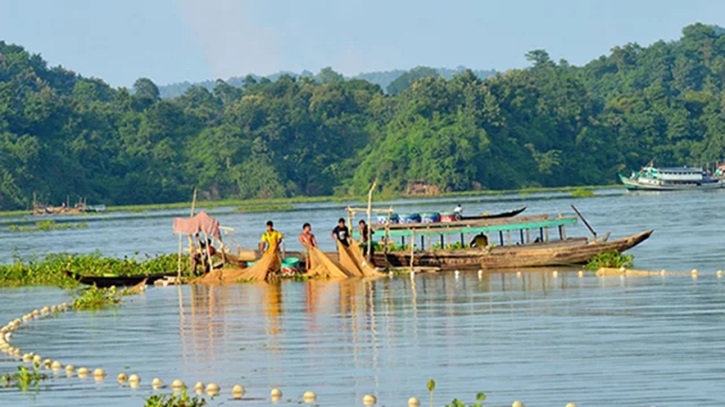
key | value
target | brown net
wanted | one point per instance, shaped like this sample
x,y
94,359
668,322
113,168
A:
x,y
347,260
361,262
262,270
323,266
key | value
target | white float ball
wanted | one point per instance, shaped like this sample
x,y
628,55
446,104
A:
x,y
309,396
237,391
177,384
518,403
212,389
122,377
369,399
413,402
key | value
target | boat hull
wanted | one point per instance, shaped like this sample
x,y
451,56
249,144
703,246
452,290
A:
x,y
555,253
634,185
116,281
508,214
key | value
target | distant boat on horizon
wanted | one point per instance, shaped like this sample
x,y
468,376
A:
x,y
651,178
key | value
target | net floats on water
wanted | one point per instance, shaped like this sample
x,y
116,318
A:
x,y
309,397
238,391
212,389
157,383
369,400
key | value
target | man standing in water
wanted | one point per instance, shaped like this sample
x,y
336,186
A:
x,y
271,239
308,241
365,236
341,233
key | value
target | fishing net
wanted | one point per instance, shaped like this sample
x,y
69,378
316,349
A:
x,y
269,264
347,260
363,265
323,266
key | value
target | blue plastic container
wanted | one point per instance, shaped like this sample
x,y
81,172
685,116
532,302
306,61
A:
x,y
394,218
410,218
432,217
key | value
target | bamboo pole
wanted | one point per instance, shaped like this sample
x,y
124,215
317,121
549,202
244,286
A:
x,y
369,225
192,249
412,250
386,237
178,266
207,243
193,204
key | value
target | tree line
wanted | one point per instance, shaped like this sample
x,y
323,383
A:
x,y
551,124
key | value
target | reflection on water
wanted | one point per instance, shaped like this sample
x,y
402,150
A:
x,y
687,225
532,336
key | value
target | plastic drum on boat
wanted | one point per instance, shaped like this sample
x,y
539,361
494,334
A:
x,y
384,218
432,217
290,266
410,218
291,262
448,217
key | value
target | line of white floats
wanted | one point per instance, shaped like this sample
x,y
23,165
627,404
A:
x,y
622,272
133,380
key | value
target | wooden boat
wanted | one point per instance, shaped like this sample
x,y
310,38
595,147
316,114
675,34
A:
x,y
557,253
117,281
508,214
651,178
534,248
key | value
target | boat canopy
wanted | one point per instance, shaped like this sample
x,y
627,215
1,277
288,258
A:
x,y
200,223
441,228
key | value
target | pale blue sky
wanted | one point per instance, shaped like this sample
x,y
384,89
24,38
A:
x,y
175,40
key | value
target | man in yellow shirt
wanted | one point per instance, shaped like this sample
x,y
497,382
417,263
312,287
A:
x,y
271,239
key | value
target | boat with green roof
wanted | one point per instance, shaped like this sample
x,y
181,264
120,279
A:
x,y
520,242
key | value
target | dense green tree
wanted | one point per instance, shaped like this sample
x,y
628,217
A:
x,y
551,124
405,80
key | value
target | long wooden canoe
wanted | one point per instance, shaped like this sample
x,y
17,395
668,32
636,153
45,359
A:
x,y
117,281
507,214
553,253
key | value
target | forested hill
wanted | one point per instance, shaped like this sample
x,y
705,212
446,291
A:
x,y
550,125
382,78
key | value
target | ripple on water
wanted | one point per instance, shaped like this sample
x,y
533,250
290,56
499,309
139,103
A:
x,y
644,341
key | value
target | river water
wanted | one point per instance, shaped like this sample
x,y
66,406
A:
x,y
540,337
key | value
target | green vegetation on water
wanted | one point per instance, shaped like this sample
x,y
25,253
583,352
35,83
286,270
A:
x,y
550,125
24,379
265,208
582,193
611,259
48,270
46,225
180,399
93,298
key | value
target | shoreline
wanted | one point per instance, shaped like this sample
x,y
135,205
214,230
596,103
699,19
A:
x,y
258,205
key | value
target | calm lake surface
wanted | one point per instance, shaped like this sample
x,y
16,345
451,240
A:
x,y
542,339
